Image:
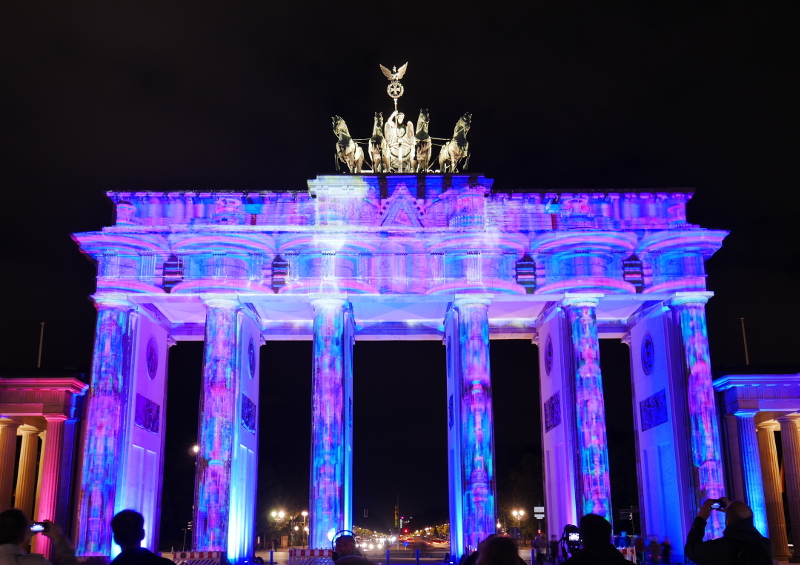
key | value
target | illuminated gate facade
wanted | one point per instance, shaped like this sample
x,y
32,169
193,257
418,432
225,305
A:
x,y
395,256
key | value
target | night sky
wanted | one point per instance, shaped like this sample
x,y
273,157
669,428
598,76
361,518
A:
x,y
238,96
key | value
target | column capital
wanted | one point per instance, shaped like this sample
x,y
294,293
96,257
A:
x,y
8,423
793,418
465,299
581,299
328,301
220,302
745,413
771,425
690,298
26,429
108,300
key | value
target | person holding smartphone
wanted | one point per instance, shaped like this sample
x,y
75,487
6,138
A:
x,y
15,535
740,543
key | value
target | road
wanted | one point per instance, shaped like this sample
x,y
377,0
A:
x,y
405,556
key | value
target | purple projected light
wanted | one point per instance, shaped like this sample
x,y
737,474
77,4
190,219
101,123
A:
x,y
702,410
218,410
590,410
101,463
327,473
478,424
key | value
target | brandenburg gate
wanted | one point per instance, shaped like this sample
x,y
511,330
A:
x,y
412,256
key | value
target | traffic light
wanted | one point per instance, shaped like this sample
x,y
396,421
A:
x,y
405,530
189,526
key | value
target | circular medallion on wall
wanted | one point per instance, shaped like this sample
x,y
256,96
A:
x,y
151,358
251,357
548,355
648,354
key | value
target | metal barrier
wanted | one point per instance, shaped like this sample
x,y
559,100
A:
x,y
310,556
197,557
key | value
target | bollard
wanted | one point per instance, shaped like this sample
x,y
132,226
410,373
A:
x,y
388,551
417,556
271,561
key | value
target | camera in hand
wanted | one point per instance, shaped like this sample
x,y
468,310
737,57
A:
x,y
718,503
38,527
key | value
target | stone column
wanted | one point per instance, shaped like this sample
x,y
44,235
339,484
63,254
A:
x,y
590,414
8,457
772,489
43,437
477,420
690,315
215,434
104,427
751,467
790,441
328,474
51,465
26,475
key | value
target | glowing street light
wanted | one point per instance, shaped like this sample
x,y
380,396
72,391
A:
x,y
518,514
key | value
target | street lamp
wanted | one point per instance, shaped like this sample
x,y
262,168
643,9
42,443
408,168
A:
x,y
518,514
305,527
277,516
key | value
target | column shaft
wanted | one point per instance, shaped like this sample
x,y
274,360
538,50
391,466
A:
x,y
590,414
43,437
8,457
751,466
217,413
772,489
51,464
104,428
790,441
477,421
26,475
328,474
706,454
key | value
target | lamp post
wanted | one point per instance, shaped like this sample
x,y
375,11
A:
x,y
305,527
278,516
518,514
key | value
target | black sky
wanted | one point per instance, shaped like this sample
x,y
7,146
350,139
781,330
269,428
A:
x,y
197,95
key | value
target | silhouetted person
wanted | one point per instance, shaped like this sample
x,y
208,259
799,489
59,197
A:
x,y
596,542
345,551
741,542
128,528
666,551
553,549
15,535
499,550
472,558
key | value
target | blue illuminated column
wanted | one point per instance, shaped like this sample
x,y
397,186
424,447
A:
x,y
216,427
690,314
331,423
471,422
753,481
105,428
590,413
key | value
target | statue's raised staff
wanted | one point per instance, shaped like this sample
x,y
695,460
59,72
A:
x,y
423,150
457,149
347,150
378,148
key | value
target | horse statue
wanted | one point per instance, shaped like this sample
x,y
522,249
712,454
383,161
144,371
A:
x,y
457,148
347,150
378,148
423,153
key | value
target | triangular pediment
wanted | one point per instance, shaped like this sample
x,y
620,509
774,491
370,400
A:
x,y
401,209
